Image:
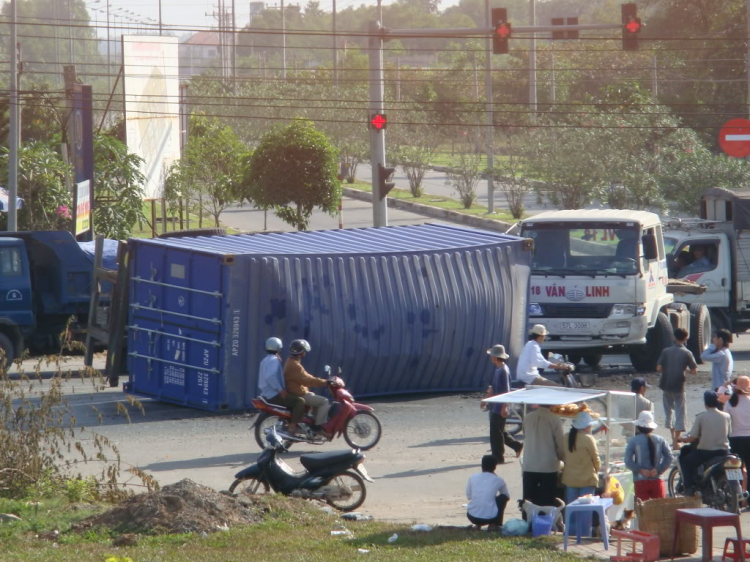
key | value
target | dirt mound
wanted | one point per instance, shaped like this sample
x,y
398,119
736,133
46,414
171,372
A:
x,y
184,507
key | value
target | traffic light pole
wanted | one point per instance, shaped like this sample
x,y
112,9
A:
x,y
377,137
490,118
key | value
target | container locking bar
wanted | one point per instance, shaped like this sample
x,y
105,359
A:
x,y
136,328
171,286
193,367
162,311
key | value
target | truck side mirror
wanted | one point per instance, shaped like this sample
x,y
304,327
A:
x,y
650,249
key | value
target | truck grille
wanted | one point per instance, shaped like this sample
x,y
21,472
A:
x,y
576,310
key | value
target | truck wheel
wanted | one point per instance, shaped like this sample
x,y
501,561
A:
x,y
195,232
6,346
645,357
700,330
593,359
574,358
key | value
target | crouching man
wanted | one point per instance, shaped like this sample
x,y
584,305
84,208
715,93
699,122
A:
x,y
488,495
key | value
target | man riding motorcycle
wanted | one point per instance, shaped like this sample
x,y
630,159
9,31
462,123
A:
x,y
297,381
271,384
710,435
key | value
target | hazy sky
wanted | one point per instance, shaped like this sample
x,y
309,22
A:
x,y
192,13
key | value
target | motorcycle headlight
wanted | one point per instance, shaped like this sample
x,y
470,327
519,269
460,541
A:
x,y
535,309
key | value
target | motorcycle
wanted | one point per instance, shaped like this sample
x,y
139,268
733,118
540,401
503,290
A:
x,y
337,478
356,422
719,482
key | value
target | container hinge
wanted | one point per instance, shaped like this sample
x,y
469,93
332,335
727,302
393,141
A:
x,y
172,286
136,328
139,356
139,307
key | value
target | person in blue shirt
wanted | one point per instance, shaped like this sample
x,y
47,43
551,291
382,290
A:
x,y
271,384
499,438
718,354
649,456
700,262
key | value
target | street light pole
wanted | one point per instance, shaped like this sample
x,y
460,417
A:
x,y
532,59
160,22
283,42
335,53
490,120
14,122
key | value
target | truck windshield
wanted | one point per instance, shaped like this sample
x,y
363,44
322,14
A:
x,y
602,250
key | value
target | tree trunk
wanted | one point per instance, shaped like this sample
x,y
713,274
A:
x,y
300,226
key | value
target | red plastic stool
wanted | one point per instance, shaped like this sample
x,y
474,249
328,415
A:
x,y
734,555
649,546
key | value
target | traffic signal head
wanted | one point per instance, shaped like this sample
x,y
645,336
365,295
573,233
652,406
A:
x,y
378,121
631,27
502,31
384,185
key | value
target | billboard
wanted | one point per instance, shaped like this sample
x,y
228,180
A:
x,y
151,88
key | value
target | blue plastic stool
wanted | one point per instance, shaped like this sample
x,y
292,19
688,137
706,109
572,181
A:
x,y
599,506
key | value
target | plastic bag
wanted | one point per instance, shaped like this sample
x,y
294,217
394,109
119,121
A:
x,y
613,489
515,527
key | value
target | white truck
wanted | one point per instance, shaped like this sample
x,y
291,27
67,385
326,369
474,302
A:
x,y
714,251
599,283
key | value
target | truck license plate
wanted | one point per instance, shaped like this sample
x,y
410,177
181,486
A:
x,y
577,326
734,474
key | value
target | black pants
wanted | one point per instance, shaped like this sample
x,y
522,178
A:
x,y
740,446
499,438
540,488
501,502
692,460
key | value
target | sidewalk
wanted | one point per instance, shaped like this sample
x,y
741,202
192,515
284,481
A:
x,y
595,547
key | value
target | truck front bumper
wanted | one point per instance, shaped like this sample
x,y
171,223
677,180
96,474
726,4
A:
x,y
585,333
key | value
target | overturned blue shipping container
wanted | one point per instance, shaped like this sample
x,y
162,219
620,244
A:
x,y
399,309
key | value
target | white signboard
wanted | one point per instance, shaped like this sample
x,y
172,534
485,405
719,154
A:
x,y
151,76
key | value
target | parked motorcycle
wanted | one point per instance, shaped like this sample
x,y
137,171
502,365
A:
x,y
719,482
356,422
337,478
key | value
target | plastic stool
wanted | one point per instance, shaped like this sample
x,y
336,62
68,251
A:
x,y
649,546
599,506
734,555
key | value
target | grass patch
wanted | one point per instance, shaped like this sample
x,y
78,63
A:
x,y
173,222
294,531
439,202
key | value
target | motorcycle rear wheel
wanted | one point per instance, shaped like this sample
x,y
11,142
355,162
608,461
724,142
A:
x,y
249,487
355,483
265,422
514,421
363,431
675,487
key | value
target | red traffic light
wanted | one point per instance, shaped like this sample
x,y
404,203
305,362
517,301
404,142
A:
x,y
503,30
634,25
378,121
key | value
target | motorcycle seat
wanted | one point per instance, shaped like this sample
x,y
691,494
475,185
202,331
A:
x,y
710,463
321,460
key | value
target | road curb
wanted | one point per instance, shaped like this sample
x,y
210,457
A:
x,y
433,212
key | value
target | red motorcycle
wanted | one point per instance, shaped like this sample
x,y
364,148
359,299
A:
x,y
356,422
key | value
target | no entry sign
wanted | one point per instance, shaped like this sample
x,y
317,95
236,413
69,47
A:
x,y
734,138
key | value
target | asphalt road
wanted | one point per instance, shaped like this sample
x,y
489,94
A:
x,y
430,444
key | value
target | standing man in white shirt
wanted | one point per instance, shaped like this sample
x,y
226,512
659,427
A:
x,y
488,495
531,359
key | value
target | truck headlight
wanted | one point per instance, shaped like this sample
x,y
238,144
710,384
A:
x,y
535,309
628,310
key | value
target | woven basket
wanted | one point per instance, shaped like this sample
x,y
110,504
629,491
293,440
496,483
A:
x,y
657,518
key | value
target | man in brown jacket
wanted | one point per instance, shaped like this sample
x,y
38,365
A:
x,y
297,381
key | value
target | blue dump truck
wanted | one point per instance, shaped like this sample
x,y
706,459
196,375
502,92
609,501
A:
x,y
45,283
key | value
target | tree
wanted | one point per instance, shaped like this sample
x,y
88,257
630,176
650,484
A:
x,y
465,174
47,203
415,147
510,166
210,171
118,186
294,170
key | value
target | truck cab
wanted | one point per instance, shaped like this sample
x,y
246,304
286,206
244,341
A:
x,y
599,284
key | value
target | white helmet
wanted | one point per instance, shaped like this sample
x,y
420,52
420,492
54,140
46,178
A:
x,y
274,344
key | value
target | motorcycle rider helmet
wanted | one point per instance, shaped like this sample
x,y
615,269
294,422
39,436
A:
x,y
274,345
299,346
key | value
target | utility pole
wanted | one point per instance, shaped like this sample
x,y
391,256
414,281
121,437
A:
x,y
14,122
335,53
283,41
747,56
234,50
160,22
552,65
490,120
70,31
655,78
532,59
377,138
109,58
398,79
